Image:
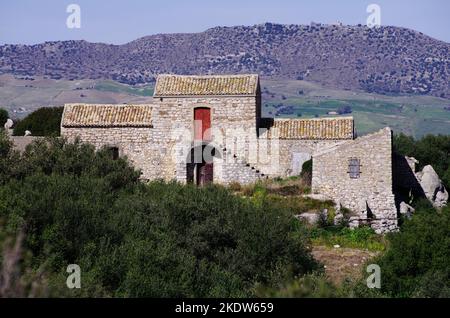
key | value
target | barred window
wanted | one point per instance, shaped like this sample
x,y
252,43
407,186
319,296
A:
x,y
354,168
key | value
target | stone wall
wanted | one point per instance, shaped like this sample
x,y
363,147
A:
x,y
371,195
233,125
162,152
278,157
293,153
144,147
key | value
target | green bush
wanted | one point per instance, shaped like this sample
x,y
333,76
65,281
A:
x,y
417,261
8,158
3,117
131,239
309,286
42,122
430,150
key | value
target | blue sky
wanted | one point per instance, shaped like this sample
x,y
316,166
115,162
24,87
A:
x,y
117,22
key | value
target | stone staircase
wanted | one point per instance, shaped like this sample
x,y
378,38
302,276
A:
x,y
239,170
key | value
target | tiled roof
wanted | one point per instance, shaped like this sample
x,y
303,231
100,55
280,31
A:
x,y
212,85
85,115
338,128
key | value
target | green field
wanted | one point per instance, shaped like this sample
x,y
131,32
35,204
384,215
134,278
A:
x,y
412,115
111,86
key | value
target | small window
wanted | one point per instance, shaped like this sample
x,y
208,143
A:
x,y
354,168
114,151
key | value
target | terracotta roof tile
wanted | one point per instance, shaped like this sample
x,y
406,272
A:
x,y
323,129
84,115
213,85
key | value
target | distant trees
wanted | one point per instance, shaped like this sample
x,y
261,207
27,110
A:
x,y
45,121
430,150
3,117
345,109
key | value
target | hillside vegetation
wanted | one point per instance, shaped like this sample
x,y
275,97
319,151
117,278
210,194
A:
x,y
78,206
45,121
65,203
387,60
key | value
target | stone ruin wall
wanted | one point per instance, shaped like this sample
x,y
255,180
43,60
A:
x,y
161,152
370,196
142,146
229,115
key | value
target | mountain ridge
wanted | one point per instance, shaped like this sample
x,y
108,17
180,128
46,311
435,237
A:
x,y
386,60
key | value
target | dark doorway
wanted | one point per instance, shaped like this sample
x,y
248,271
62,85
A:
x,y
199,167
205,173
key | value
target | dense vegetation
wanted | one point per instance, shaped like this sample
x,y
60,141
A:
x,y
76,205
132,239
417,263
3,117
45,121
430,150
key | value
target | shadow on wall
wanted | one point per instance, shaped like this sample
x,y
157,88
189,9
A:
x,y
406,186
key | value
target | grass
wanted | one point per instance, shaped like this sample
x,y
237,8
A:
x,y
111,86
292,186
359,238
288,193
411,114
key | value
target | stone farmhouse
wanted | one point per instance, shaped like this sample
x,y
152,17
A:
x,y
203,129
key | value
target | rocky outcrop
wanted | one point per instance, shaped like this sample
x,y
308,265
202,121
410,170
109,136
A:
x,y
406,209
432,186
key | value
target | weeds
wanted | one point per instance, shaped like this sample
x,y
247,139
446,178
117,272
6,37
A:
x,y
361,238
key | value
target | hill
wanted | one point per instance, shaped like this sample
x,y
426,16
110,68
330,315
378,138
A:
x,y
385,60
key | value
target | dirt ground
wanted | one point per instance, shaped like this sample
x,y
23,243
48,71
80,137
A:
x,y
341,263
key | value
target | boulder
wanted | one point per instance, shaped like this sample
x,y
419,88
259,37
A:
x,y
9,123
432,186
311,218
441,198
406,209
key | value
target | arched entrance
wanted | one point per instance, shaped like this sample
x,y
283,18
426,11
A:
x,y
200,166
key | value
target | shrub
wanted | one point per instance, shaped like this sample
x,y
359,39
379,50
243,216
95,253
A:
x,y
235,186
42,122
417,261
80,206
8,158
309,286
3,117
346,109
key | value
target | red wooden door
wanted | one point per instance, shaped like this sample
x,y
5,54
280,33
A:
x,y
202,124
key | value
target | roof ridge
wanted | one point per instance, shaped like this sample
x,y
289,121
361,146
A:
x,y
171,85
107,115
